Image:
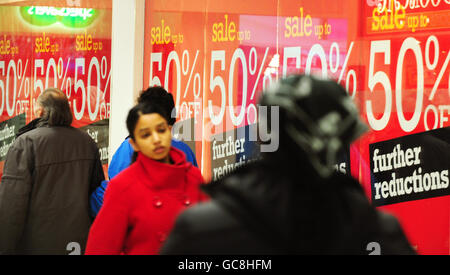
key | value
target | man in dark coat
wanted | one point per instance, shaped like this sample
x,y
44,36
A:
x,y
292,201
50,171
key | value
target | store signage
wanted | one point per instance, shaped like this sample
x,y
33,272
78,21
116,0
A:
x,y
69,17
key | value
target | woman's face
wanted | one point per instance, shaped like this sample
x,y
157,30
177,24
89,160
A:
x,y
153,137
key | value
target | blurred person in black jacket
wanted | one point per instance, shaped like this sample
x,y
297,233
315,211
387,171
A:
x,y
292,201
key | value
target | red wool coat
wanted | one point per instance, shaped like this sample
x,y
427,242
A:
x,y
141,205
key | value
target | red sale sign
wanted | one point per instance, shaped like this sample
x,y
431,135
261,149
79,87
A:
x,y
68,48
217,57
406,95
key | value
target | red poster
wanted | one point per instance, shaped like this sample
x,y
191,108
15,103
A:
x,y
176,60
217,57
55,45
405,93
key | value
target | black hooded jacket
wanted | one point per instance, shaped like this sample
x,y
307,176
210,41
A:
x,y
265,208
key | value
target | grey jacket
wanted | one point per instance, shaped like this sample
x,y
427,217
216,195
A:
x,y
48,176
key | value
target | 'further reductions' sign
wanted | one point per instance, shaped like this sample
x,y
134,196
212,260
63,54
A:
x,y
411,168
233,149
99,132
8,131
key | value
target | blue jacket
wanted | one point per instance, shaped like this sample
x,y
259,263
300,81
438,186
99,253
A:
x,y
120,161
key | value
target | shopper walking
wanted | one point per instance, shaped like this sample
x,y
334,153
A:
x,y
122,157
142,202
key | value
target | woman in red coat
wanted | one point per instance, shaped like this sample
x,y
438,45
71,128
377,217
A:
x,y
142,202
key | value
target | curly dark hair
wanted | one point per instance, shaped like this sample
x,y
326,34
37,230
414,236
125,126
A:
x,y
159,96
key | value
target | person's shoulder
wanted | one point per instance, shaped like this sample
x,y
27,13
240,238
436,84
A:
x,y
348,195
345,182
125,143
190,156
79,132
123,181
30,134
206,217
196,174
28,137
78,137
21,142
125,151
125,146
181,146
128,174
348,188
69,133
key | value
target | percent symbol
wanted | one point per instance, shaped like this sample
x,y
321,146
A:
x,y
104,71
437,111
197,78
254,57
95,92
432,66
65,80
350,73
21,76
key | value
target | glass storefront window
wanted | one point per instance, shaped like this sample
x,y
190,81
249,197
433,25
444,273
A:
x,y
216,57
62,44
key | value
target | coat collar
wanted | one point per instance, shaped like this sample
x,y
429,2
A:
x,y
165,176
30,126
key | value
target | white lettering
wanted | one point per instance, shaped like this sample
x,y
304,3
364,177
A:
x,y
398,158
